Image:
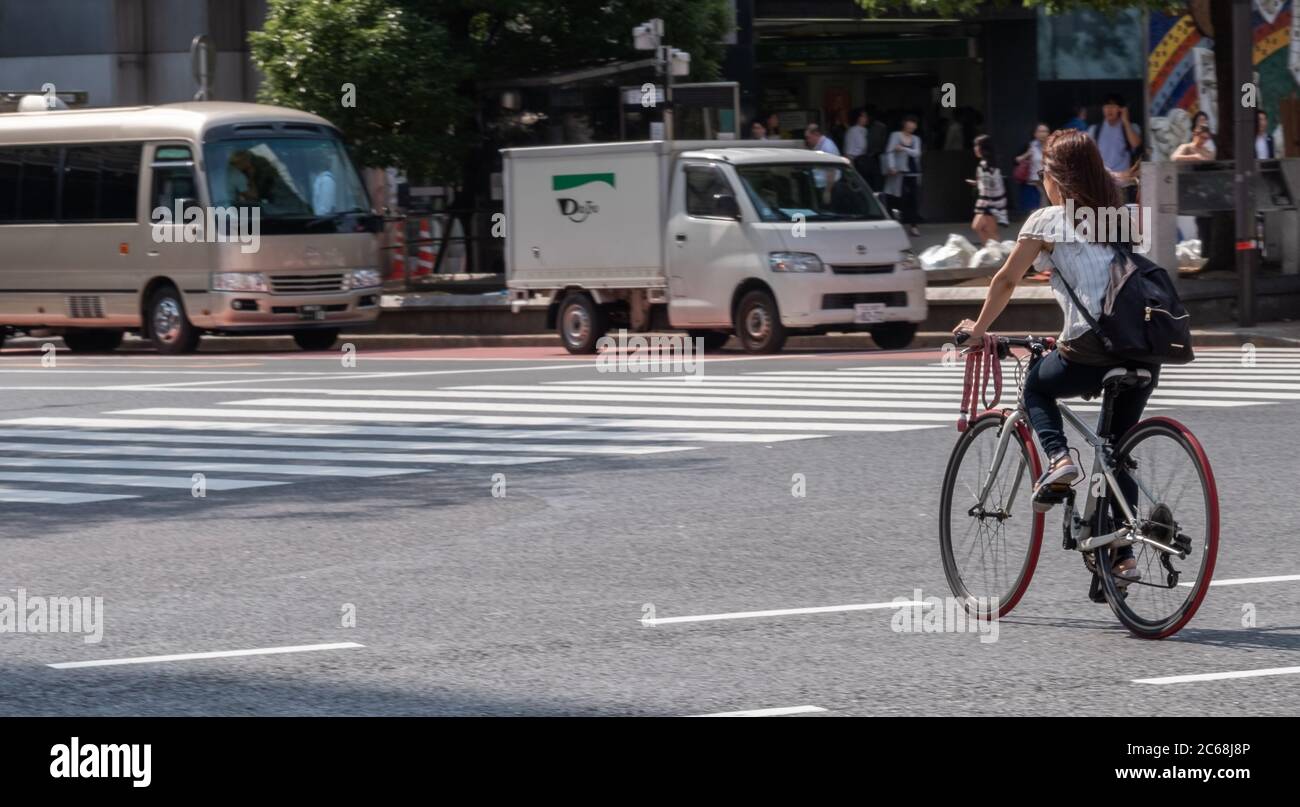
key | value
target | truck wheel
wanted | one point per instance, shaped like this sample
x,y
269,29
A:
x,y
893,335
316,340
169,328
92,341
758,323
713,340
581,323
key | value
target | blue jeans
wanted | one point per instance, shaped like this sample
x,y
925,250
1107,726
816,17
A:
x,y
1055,376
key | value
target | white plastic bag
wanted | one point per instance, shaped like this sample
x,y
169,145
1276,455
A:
x,y
990,256
956,253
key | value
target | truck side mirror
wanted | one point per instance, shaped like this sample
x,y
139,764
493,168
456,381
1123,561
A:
x,y
725,206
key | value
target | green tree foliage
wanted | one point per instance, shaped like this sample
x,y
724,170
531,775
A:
x,y
416,63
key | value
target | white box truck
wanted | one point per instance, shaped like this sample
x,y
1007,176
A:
x,y
714,238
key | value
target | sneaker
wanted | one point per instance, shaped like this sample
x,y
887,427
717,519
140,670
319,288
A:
x,y
1125,572
1054,486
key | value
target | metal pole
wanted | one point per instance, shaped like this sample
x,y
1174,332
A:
x,y
666,60
1244,160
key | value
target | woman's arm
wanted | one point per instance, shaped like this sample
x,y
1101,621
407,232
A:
x,y
1186,153
1002,285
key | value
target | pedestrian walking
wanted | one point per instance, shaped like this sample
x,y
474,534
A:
x,y
991,204
1029,170
901,164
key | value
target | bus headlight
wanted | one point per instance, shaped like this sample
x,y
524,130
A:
x,y
907,260
794,262
365,279
238,281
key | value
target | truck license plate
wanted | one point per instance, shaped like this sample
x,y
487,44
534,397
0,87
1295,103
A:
x,y
868,312
313,312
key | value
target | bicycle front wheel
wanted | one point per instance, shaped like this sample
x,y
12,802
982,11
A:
x,y
1170,488
990,549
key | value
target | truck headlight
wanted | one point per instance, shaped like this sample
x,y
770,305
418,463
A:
x,y
238,281
907,260
794,262
365,279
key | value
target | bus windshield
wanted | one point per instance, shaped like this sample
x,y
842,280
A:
x,y
299,184
780,192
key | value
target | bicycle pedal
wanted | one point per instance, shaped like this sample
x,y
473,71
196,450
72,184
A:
x,y
1048,496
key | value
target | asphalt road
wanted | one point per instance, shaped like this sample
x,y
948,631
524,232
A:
x,y
488,532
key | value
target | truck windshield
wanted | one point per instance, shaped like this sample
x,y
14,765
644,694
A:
x,y
301,185
817,192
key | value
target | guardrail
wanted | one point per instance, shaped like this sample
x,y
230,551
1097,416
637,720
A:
x,y
421,251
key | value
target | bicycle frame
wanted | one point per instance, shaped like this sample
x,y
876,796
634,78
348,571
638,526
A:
x,y
1102,468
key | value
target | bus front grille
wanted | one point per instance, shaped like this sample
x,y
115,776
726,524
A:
x,y
306,284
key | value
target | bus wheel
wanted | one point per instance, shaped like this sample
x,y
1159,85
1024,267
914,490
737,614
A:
x,y
316,340
168,326
92,341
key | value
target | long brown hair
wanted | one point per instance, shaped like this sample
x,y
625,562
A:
x,y
1075,165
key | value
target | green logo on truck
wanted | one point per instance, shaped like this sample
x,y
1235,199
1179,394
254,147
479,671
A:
x,y
563,182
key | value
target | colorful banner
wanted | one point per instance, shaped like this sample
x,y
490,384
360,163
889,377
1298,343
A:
x,y
1180,70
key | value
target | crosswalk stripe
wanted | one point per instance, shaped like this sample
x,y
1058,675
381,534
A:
x,y
39,496
133,480
401,431
951,396
204,466
268,454
582,409
224,444
900,391
630,423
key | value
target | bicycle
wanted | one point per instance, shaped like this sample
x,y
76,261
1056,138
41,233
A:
x,y
1170,516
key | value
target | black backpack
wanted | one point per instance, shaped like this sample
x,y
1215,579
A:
x,y
1142,318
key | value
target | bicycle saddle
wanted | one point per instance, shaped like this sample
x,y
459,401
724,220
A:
x,y
1120,379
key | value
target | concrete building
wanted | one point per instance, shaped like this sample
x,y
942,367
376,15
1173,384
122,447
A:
x,y
126,52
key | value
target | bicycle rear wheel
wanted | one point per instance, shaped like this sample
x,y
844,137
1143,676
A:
x,y
1177,505
989,553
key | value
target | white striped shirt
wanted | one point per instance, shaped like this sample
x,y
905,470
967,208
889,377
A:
x,y
1085,265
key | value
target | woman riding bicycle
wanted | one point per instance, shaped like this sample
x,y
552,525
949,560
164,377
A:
x,y
1081,254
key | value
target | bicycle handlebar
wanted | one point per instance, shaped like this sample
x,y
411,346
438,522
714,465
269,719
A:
x,y
1028,342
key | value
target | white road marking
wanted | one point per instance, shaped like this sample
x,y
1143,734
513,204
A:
x,y
579,409
820,609
778,711
398,431
132,480
1219,676
204,466
224,446
1245,581
262,651
269,454
496,420
40,496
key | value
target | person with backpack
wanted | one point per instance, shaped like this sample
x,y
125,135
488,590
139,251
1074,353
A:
x,y
1104,326
1120,142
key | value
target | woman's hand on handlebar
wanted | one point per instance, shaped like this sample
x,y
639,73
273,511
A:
x,y
970,329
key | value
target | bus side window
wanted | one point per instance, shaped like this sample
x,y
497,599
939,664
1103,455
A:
x,y
172,183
